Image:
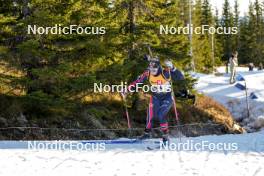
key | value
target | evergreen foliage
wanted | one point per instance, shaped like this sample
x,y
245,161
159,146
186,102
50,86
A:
x,y
58,71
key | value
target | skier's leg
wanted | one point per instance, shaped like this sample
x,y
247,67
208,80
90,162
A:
x,y
234,74
162,115
230,80
231,75
150,115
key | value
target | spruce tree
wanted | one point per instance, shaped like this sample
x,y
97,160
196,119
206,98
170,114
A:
x,y
236,24
202,43
226,22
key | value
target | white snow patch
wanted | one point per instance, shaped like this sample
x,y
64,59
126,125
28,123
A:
x,y
122,161
234,99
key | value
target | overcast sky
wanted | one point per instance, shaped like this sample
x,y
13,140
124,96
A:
x,y
243,5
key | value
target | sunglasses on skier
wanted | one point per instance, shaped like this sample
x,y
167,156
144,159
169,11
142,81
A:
x,y
153,68
153,65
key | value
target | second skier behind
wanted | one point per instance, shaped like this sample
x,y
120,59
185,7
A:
x,y
161,99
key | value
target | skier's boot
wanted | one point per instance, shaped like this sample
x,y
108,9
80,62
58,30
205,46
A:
x,y
165,139
146,135
165,134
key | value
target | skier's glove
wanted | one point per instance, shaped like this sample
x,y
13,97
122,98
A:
x,y
169,64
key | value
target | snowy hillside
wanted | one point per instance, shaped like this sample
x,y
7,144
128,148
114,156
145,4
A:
x,y
233,97
134,159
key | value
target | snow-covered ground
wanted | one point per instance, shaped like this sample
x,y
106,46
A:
x,y
233,98
134,159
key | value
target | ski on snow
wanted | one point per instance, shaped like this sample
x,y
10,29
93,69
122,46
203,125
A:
x,y
148,144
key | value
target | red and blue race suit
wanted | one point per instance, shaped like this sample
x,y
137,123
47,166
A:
x,y
160,100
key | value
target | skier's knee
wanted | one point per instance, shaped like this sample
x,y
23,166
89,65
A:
x,y
164,127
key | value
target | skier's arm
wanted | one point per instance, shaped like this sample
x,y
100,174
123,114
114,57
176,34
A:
x,y
174,72
143,77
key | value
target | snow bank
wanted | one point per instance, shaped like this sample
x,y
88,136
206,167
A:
x,y
121,160
234,98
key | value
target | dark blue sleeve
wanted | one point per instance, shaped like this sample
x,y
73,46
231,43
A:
x,y
175,74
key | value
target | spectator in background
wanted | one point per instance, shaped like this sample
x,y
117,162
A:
x,y
251,66
260,66
233,61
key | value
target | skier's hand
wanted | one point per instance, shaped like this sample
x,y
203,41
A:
x,y
169,64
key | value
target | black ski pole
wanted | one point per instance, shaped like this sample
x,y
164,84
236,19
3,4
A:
x,y
127,115
246,91
174,105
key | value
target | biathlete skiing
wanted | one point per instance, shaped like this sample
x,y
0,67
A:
x,y
162,97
